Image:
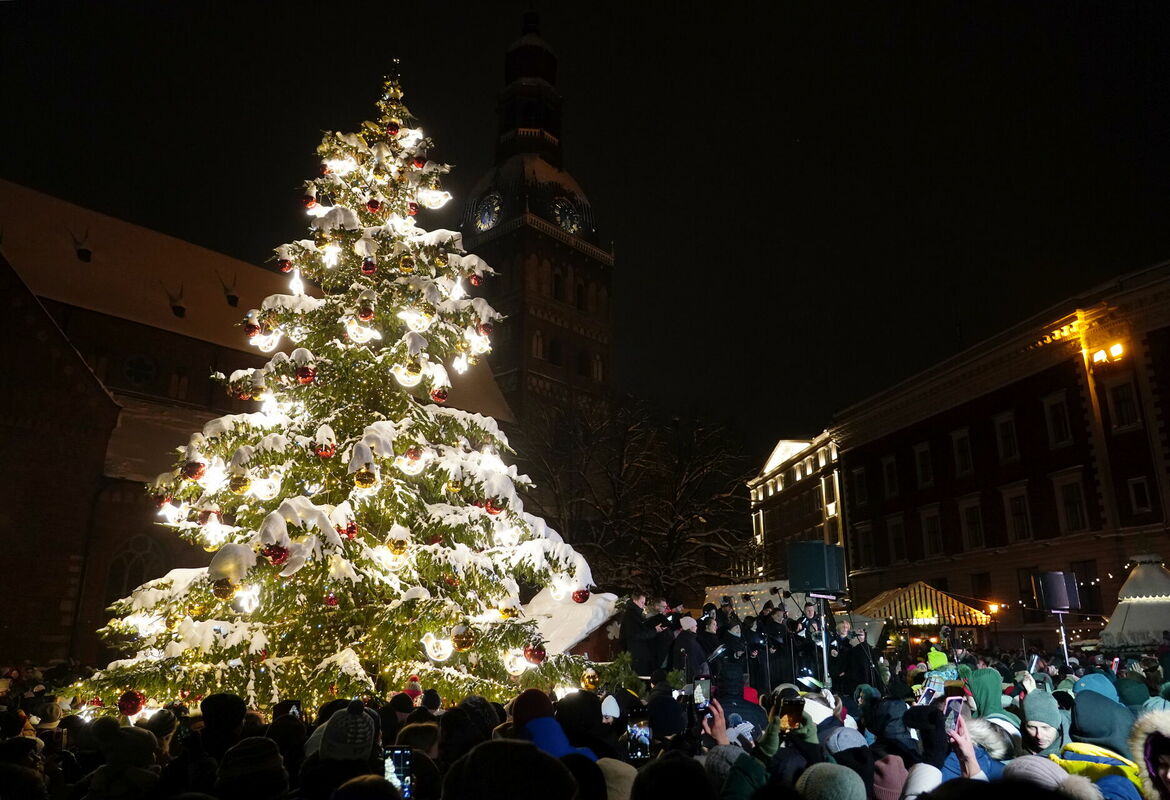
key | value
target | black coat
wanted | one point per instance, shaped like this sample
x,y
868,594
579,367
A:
x,y
637,639
692,661
861,667
667,716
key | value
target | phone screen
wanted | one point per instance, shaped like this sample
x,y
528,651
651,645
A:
x,y
1033,662
929,693
792,713
954,709
397,769
638,735
702,692
294,708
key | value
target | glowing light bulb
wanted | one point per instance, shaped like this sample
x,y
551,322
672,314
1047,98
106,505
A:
x,y
341,166
265,488
557,590
478,343
295,284
457,291
267,342
460,363
215,477
358,333
173,512
330,254
247,599
215,532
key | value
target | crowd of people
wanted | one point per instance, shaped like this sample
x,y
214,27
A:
x,y
947,724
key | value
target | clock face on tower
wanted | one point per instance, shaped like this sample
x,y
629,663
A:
x,y
566,215
487,212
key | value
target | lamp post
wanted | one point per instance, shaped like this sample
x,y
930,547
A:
x,y
993,609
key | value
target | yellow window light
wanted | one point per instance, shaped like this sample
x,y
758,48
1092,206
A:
x,y
1116,350
1100,357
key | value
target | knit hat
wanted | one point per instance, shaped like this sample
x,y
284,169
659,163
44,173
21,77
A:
x,y
937,659
253,767
161,723
1101,721
124,746
531,704
1042,707
1096,682
1047,774
402,703
1132,693
431,699
839,739
889,776
688,624
50,714
609,707
619,777
826,781
718,764
349,735
413,687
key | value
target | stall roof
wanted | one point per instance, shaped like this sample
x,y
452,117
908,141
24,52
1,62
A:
x,y
922,604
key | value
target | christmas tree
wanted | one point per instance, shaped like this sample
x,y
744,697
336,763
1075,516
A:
x,y
362,531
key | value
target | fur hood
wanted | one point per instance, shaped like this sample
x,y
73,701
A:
x,y
1153,722
993,738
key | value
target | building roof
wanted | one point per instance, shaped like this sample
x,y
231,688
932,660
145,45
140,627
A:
x,y
136,274
922,604
1143,610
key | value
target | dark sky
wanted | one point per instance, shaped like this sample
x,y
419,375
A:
x,y
806,203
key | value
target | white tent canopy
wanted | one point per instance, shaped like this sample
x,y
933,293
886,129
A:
x,y
1143,608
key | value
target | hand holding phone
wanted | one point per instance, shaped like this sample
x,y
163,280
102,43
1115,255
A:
x,y
791,713
954,709
638,736
702,693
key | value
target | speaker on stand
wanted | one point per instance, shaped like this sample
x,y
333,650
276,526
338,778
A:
x,y
1057,593
818,570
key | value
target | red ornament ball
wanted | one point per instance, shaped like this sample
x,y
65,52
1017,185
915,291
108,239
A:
x,y
474,279
413,453
131,702
252,329
451,581
580,596
330,599
419,162
534,653
490,507
436,539
161,500
369,265
309,201
193,470
392,128
275,553
412,208
439,395
485,328
326,450
350,531
374,205
306,374
284,264
365,313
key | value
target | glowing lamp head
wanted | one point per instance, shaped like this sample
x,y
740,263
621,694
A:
x,y
1116,351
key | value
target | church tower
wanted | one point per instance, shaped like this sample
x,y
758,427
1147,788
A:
x,y
530,220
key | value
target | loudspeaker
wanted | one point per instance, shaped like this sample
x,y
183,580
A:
x,y
816,567
1056,591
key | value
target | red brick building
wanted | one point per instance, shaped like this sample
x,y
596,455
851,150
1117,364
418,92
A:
x,y
112,331
1042,448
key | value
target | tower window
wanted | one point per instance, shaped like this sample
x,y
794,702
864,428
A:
x,y
538,345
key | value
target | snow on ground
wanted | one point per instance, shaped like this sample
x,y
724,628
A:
x,y
563,623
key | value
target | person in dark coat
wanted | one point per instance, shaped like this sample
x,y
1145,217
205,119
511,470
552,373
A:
x,y
775,633
861,665
667,716
636,636
686,653
708,639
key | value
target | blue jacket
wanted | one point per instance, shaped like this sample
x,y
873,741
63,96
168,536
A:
x,y
951,768
548,735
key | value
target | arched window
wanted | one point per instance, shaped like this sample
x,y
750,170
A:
x,y
537,345
554,351
138,560
598,369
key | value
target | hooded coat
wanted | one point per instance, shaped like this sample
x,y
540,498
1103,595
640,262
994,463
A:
x,y
1149,736
1042,707
1101,721
987,688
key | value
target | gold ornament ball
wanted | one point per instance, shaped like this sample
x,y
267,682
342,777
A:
x,y
172,622
414,369
196,609
461,344
224,589
509,612
240,484
364,478
397,546
208,547
472,360
590,680
454,487
463,641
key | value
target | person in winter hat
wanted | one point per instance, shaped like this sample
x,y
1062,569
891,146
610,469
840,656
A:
x,y
889,776
826,781
130,771
1099,721
251,769
350,735
1096,682
1047,774
1159,702
1149,741
413,688
432,701
1046,728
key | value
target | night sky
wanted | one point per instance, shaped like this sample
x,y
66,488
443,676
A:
x,y
806,203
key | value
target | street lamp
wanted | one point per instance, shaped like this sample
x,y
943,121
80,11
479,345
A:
x,y
993,609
